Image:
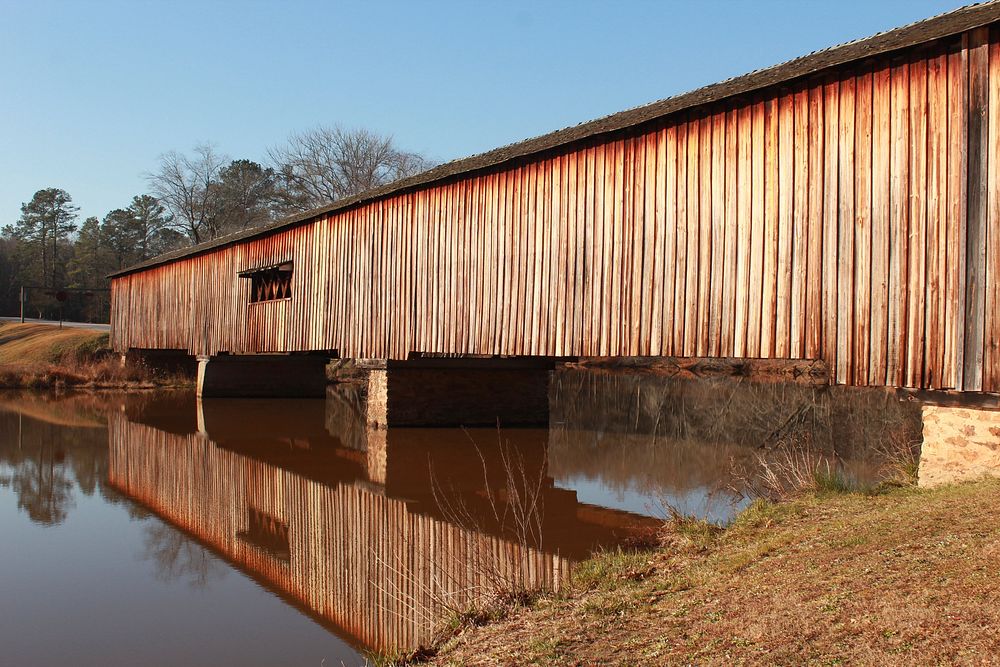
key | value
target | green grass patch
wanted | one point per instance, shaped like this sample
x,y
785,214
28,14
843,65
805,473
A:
x,y
609,568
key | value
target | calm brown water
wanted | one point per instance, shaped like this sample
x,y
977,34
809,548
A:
x,y
151,529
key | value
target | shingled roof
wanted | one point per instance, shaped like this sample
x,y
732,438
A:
x,y
927,30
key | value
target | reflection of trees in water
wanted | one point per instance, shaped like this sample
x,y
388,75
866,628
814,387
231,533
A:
x,y
840,421
178,557
650,434
43,488
45,463
42,462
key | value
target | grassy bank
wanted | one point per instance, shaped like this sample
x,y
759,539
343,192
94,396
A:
x,y
903,577
41,356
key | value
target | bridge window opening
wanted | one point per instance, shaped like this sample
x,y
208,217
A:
x,y
271,284
267,533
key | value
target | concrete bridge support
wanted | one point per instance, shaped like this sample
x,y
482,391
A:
x,y
459,392
262,376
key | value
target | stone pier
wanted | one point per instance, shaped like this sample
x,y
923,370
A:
x,y
262,376
960,443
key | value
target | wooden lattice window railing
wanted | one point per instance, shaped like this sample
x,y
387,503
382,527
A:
x,y
270,284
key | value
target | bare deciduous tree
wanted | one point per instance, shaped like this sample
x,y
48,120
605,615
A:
x,y
325,164
187,187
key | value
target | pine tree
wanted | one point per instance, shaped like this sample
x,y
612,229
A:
x,y
43,229
90,263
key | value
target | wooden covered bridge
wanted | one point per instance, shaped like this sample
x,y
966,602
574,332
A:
x,y
842,207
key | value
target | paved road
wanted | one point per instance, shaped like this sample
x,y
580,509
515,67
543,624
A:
x,y
75,325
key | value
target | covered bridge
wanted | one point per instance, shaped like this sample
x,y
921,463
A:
x,y
843,207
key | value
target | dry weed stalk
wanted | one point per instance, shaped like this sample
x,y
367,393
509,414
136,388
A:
x,y
515,510
480,576
787,470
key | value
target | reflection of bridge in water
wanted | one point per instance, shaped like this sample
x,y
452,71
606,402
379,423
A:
x,y
373,533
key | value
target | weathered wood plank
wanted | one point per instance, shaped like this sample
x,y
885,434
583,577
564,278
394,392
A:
x,y
650,282
815,290
862,226
757,231
718,252
880,222
801,233
743,222
937,217
680,317
658,279
769,277
899,211
991,354
958,150
831,170
612,235
977,188
670,229
730,274
846,223
586,217
704,236
693,237
620,256
670,234
786,191
638,324
917,264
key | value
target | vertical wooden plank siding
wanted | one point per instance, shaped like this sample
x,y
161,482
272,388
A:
x,y
851,216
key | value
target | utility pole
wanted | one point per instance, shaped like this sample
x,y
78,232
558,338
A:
x,y
22,304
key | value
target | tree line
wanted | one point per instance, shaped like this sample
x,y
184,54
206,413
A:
x,y
191,198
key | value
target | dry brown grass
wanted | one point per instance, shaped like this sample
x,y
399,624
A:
x,y
95,374
42,356
24,344
902,578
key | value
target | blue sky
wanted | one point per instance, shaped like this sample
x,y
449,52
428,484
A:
x,y
92,92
